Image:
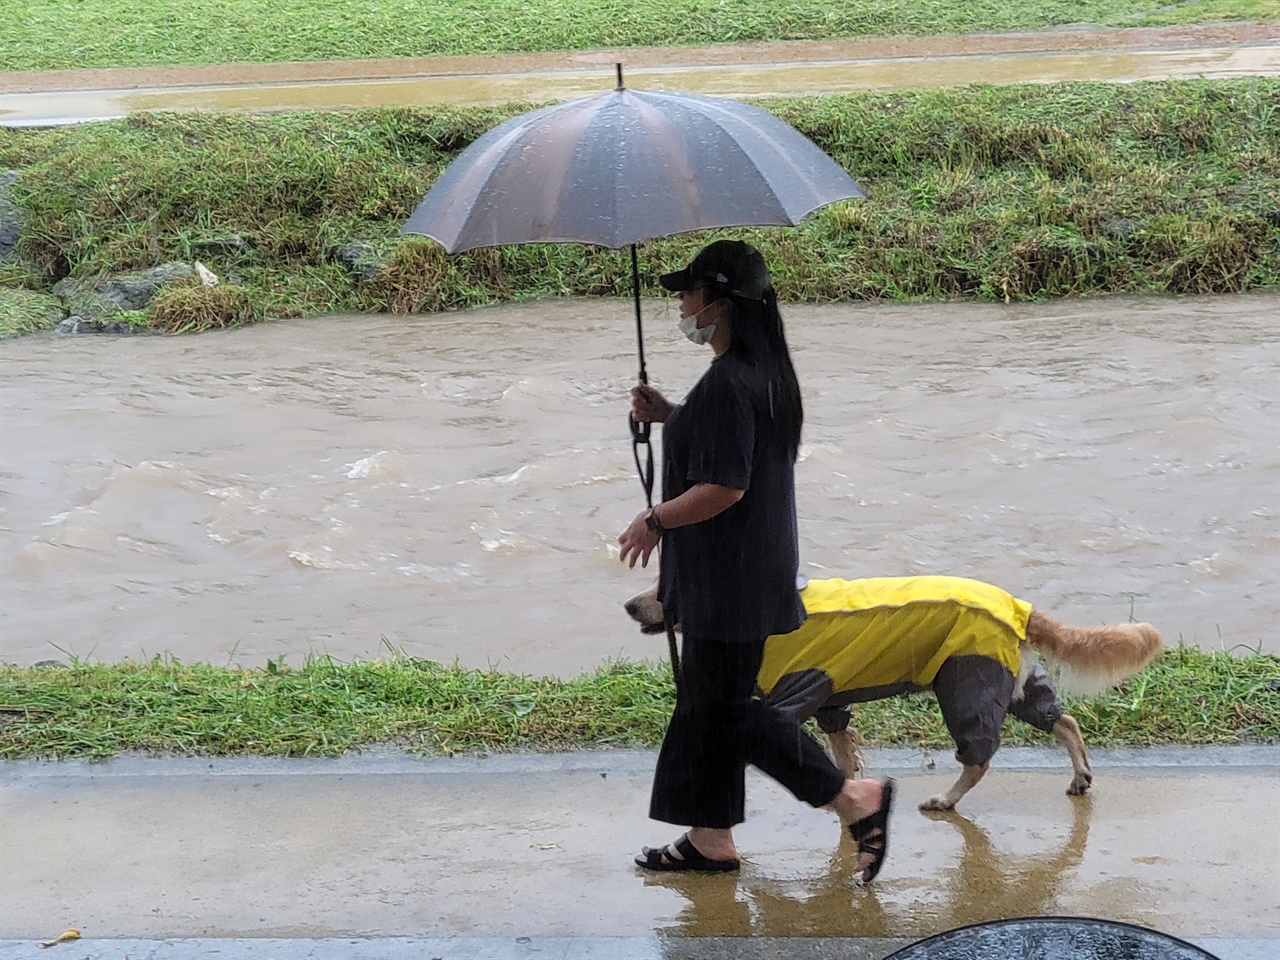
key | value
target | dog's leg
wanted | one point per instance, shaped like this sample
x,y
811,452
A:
x,y
844,748
1067,732
969,778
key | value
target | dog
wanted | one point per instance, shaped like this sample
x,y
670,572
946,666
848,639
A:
x,y
968,642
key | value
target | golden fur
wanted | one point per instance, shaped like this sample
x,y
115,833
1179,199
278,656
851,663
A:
x,y
1091,659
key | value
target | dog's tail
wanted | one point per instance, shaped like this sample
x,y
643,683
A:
x,y
1093,658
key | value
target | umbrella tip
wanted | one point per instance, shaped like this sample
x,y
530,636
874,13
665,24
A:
x,y
618,67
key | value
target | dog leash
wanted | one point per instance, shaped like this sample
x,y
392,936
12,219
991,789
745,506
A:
x,y
639,438
672,648
646,480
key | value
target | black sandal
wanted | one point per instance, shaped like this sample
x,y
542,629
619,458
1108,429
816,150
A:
x,y
658,859
872,833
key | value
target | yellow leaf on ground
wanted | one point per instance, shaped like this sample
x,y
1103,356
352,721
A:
x,y
71,933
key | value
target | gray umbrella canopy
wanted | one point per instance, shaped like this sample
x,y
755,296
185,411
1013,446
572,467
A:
x,y
625,166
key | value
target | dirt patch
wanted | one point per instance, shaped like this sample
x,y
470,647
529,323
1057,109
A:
x,y
792,51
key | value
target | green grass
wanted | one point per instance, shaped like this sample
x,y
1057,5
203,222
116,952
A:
x,y
984,193
25,311
67,34
326,708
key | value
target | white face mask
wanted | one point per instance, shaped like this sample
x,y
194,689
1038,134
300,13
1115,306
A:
x,y
699,335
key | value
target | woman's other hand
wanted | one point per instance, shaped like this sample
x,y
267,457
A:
x,y
638,541
648,405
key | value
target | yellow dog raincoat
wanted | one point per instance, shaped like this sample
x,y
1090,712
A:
x,y
869,639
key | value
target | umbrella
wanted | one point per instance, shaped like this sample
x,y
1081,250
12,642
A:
x,y
1053,938
622,167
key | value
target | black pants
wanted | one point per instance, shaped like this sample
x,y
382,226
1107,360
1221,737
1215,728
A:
x,y
717,729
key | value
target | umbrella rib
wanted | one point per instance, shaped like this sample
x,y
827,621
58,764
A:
x,y
496,168
756,120
473,180
675,158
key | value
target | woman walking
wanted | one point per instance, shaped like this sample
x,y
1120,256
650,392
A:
x,y
727,525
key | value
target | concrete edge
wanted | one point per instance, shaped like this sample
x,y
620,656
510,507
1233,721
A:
x,y
525,948
474,948
1152,760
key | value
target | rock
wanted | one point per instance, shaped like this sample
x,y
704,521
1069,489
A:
x,y
118,328
77,325
1119,228
10,218
361,260
98,299
220,244
207,276
73,325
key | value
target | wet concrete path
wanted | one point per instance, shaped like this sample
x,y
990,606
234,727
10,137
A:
x,y
1221,51
1183,841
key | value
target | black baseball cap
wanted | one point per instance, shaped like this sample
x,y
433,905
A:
x,y
727,266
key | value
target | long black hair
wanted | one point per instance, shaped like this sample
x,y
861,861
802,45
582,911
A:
x,y
758,339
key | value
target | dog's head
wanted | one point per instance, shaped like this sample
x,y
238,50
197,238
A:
x,y
646,609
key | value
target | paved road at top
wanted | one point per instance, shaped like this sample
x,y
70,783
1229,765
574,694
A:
x,y
792,68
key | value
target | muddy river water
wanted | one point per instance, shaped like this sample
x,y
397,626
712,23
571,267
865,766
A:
x,y
451,486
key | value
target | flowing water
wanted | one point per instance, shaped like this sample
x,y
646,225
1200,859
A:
x,y
452,485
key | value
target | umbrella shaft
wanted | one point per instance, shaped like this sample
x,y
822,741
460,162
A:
x,y
635,290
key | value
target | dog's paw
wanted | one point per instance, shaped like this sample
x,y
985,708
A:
x,y
1080,785
938,803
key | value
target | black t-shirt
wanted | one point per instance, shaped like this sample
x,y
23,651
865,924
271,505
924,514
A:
x,y
732,577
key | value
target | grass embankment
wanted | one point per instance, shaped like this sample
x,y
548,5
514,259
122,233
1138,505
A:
x,y
328,708
69,34
987,193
